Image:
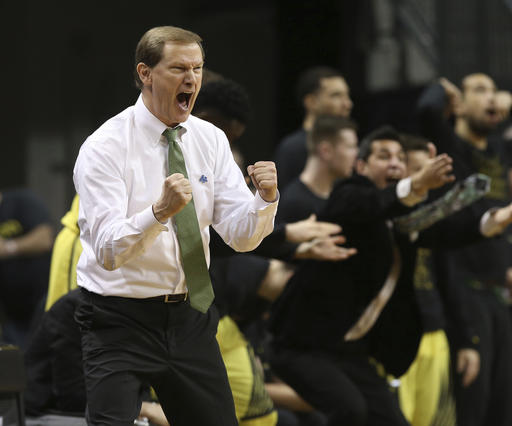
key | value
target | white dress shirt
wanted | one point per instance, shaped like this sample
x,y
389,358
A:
x,y
119,174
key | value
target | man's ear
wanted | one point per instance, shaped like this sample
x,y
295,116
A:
x,y
360,166
144,73
324,150
459,107
309,102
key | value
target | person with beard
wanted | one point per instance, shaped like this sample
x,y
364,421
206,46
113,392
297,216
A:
x,y
317,348
320,90
333,317
479,270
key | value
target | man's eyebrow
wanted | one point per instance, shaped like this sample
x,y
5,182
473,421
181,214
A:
x,y
484,86
177,62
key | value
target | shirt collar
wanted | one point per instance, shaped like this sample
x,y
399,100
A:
x,y
152,126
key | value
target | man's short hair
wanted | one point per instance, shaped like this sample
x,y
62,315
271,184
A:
x,y
226,97
309,80
464,81
381,133
326,127
412,142
150,46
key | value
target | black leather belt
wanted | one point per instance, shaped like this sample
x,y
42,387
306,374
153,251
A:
x,y
166,298
169,298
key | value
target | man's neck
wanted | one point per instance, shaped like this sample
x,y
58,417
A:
x,y
309,119
147,99
463,130
317,178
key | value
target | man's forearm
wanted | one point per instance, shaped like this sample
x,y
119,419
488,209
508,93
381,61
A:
x,y
39,240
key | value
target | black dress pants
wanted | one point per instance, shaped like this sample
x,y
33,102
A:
x,y
129,343
346,388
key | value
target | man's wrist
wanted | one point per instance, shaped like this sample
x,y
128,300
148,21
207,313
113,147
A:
x,y
10,248
406,193
158,215
417,187
303,250
269,198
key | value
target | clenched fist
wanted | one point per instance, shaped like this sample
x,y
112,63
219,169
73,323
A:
x,y
264,178
176,194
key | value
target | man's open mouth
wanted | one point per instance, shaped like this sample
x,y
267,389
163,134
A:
x,y
184,100
491,112
392,180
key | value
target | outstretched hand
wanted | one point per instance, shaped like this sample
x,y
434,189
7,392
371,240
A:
x,y
309,229
326,248
435,172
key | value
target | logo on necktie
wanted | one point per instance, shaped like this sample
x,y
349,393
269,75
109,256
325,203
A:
x,y
203,179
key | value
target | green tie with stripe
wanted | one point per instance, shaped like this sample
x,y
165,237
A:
x,y
197,277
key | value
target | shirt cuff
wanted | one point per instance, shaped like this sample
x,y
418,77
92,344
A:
x,y
146,219
406,195
261,204
488,226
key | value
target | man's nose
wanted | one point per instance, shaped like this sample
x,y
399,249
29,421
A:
x,y
395,162
190,77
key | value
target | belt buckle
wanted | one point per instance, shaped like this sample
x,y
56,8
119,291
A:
x,y
168,299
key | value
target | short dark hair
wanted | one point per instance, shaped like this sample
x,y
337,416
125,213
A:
x,y
412,142
326,128
381,133
150,46
309,80
226,97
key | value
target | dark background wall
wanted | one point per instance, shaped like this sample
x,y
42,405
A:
x,y
67,66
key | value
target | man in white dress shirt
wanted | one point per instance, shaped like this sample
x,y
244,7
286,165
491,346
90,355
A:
x,y
138,323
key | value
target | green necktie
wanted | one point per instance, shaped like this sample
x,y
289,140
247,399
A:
x,y
197,277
